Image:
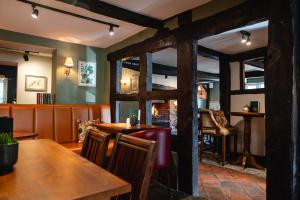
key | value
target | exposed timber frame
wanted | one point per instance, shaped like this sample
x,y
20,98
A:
x,y
283,143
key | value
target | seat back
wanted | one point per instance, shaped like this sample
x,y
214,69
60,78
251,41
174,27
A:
x,y
132,160
95,146
206,120
163,137
23,116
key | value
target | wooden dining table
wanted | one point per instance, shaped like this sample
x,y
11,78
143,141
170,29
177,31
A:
x,y
124,128
46,170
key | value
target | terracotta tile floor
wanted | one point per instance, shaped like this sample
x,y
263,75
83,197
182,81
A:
x,y
217,183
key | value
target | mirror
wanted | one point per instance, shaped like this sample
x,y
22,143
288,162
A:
x,y
254,73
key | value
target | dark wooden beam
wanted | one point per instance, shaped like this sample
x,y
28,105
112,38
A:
x,y
166,70
162,95
210,53
225,86
187,125
255,53
145,85
185,18
106,9
153,44
254,91
295,182
254,74
242,76
279,109
249,12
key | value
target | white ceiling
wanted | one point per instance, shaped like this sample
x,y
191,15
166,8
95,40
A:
x,y
160,9
230,42
16,16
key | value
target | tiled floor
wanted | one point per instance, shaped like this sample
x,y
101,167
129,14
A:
x,y
217,183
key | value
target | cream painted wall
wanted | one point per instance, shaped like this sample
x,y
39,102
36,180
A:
x,y
235,75
37,65
258,135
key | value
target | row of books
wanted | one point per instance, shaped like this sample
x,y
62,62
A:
x,y
45,98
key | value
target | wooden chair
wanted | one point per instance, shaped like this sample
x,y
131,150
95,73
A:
x,y
95,146
211,126
133,160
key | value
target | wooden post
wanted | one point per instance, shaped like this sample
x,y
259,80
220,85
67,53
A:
x,y
115,78
145,85
296,102
279,96
187,125
225,86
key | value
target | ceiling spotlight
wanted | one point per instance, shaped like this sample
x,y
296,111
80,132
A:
x,y
245,37
244,40
111,30
35,12
248,42
25,56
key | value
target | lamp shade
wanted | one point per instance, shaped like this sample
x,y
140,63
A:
x,y
69,62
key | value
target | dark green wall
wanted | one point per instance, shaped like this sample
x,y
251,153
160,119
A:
x,y
66,88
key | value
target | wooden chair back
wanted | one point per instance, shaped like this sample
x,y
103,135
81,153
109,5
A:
x,y
133,160
95,146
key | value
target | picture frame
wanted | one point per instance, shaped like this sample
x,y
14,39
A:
x,y
35,83
87,74
134,83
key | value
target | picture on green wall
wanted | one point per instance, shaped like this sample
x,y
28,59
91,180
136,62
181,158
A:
x,y
86,74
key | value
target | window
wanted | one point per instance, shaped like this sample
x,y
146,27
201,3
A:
x,y
3,90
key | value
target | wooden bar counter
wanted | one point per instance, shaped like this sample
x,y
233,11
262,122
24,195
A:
x,y
47,170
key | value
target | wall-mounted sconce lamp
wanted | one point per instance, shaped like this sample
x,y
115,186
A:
x,y
69,64
124,82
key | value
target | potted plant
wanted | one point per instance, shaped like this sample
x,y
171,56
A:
x,y
8,153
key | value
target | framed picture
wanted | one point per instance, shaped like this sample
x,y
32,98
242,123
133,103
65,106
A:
x,y
134,83
86,74
35,83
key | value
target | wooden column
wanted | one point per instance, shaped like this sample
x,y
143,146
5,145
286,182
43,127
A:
x,y
296,102
145,85
115,78
187,125
225,86
279,96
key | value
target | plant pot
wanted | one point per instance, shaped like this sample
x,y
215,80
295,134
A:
x,y
8,157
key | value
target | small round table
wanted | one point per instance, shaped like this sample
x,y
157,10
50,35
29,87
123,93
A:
x,y
246,158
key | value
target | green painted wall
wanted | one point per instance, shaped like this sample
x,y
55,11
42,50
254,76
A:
x,y
66,88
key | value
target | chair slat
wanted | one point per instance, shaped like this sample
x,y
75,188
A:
x,y
95,146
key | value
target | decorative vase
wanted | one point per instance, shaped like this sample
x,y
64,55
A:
x,y
8,157
132,121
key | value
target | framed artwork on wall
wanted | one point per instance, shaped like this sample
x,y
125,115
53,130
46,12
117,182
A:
x,y
134,83
35,83
86,74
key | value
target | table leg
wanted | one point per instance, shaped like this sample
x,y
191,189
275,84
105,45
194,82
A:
x,y
246,158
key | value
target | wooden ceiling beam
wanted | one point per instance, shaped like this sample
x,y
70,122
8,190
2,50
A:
x,y
210,53
255,53
116,12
